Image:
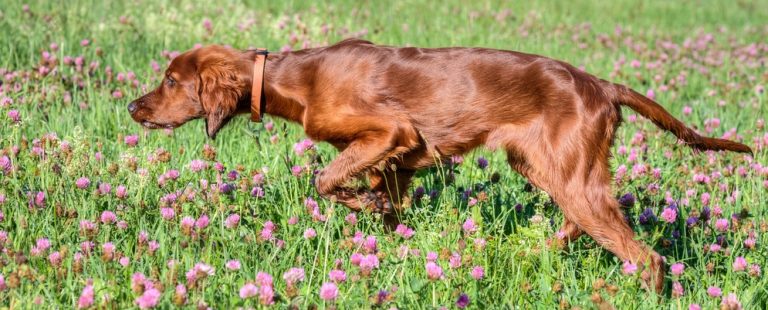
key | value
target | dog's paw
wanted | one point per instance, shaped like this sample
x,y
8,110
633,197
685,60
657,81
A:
x,y
379,202
324,184
653,274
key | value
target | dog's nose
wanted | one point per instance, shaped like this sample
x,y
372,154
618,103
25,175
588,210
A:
x,y
132,107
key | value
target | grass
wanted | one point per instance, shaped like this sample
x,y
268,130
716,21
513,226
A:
x,y
709,55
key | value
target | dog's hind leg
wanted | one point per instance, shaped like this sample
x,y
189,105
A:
x,y
579,181
595,211
568,232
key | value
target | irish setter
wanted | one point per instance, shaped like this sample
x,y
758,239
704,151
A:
x,y
392,111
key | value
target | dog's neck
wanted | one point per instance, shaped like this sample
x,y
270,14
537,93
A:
x,y
282,95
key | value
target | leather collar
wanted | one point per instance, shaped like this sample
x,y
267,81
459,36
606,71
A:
x,y
258,101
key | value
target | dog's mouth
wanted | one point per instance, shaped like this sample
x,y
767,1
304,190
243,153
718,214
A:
x,y
152,125
171,125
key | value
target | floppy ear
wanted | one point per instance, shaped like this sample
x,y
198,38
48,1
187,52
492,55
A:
x,y
219,93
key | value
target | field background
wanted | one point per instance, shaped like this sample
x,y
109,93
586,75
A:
x,y
709,56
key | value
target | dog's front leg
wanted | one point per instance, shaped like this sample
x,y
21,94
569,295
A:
x,y
390,184
360,155
378,142
390,187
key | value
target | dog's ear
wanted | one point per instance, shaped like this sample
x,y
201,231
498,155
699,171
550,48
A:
x,y
219,93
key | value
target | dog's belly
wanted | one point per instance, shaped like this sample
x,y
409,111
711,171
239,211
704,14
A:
x,y
437,146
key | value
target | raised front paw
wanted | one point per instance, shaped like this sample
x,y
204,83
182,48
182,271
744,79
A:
x,y
324,183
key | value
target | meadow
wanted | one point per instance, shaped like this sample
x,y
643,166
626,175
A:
x,y
98,213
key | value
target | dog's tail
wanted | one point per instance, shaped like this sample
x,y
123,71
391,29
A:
x,y
656,113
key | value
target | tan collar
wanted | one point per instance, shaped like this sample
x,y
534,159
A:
x,y
258,101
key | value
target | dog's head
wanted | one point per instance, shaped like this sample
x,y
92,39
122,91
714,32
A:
x,y
207,82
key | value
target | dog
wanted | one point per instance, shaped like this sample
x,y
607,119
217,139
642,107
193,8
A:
x,y
391,111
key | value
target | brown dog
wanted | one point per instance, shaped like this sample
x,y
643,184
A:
x,y
410,107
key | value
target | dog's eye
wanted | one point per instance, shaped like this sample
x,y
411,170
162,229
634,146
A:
x,y
170,81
